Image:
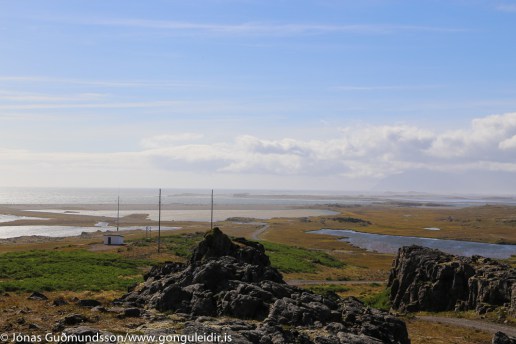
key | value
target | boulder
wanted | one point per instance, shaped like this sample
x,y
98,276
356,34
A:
x,y
88,303
424,279
74,319
38,296
60,301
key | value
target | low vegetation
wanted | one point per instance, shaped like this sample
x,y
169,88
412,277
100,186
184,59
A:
x,y
379,300
352,220
285,258
75,270
295,259
179,245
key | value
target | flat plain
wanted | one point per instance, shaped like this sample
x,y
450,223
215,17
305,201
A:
x,y
320,263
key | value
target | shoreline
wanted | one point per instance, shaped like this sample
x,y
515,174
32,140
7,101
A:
x,y
50,222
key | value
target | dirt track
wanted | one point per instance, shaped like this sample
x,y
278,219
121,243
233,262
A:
x,y
257,233
476,324
318,282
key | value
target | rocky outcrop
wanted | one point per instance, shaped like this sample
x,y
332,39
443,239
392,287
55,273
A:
x,y
424,279
230,285
502,338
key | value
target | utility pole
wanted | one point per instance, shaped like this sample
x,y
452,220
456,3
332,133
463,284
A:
x,y
211,218
159,222
118,214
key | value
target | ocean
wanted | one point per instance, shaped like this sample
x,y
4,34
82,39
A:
x,y
76,196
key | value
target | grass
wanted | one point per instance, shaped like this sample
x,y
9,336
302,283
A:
x,y
75,270
323,289
296,259
180,245
379,300
424,332
285,258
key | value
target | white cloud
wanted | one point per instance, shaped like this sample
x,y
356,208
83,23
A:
x,y
359,152
160,84
509,143
349,88
254,28
482,139
366,151
38,97
112,105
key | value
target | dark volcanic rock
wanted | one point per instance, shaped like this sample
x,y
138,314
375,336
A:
x,y
502,338
37,296
69,320
74,319
88,303
235,280
424,279
60,301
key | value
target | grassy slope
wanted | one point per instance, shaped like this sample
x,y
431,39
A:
x,y
67,270
77,270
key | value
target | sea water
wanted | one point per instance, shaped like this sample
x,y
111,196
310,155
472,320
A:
x,y
19,195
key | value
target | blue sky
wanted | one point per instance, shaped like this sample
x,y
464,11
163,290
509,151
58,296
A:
x,y
323,94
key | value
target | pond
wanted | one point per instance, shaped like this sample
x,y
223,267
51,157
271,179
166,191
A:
x,y
391,243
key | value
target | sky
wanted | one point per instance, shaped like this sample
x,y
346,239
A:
x,y
371,95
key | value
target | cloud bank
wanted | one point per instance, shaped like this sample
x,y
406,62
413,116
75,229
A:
x,y
371,152
489,143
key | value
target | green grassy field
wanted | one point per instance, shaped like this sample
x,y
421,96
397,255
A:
x,y
76,270
180,245
285,258
295,259
68,270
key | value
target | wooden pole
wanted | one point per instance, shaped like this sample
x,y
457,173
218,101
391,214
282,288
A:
x,y
118,214
159,222
211,218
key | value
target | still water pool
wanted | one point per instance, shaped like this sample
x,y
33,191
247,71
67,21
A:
x,y
391,243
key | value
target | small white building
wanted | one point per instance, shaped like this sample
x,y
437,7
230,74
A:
x,y
113,239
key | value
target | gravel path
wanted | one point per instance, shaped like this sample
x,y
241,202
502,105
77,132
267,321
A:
x,y
317,282
257,233
476,324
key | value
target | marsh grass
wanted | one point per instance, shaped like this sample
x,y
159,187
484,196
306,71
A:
x,y
74,270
